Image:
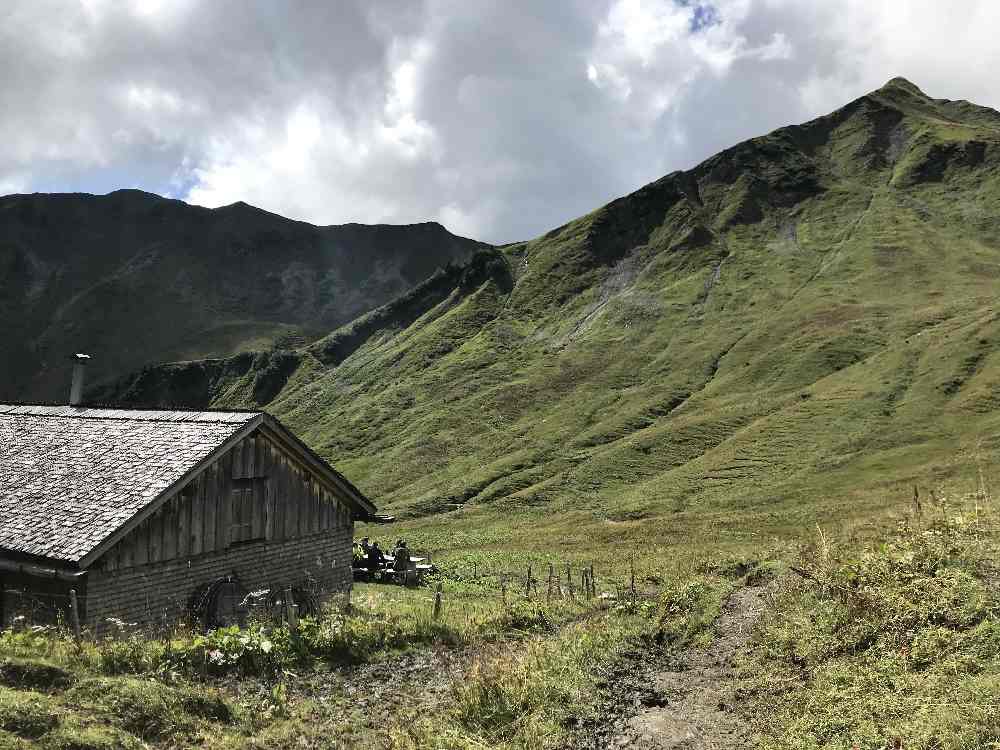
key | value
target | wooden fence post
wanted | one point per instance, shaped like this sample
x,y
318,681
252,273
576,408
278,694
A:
x,y
437,601
593,581
631,563
548,592
503,589
288,601
527,583
204,662
74,615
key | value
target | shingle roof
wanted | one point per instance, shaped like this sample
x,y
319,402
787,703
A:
x,y
70,477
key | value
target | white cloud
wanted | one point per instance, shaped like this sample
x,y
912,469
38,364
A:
x,y
400,128
501,120
153,99
947,49
779,48
607,76
13,183
658,49
642,29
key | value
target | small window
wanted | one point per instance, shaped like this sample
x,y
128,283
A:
x,y
247,463
247,511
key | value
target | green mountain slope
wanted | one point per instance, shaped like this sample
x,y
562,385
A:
x,y
133,278
798,328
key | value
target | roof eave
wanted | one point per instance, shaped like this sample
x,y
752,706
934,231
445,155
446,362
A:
x,y
317,463
42,567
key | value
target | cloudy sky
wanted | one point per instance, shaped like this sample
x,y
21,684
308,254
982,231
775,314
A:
x,y
499,119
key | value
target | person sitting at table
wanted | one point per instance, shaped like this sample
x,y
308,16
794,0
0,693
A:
x,y
359,555
366,545
401,557
375,557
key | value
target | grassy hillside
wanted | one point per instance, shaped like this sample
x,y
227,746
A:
x,y
799,328
133,278
728,381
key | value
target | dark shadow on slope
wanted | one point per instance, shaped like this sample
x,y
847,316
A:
x,y
198,383
403,311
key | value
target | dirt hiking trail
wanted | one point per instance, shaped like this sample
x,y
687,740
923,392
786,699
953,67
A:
x,y
682,701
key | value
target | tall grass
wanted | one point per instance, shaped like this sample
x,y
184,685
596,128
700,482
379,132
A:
x,y
524,697
896,644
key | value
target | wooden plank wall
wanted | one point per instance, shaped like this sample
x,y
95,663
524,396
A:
x,y
287,502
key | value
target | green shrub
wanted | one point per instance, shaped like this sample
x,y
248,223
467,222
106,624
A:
x,y
687,609
931,645
339,638
132,654
38,640
524,617
255,650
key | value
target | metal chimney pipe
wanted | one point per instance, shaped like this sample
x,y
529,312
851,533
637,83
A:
x,y
79,370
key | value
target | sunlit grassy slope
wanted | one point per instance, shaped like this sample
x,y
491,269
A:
x,y
798,329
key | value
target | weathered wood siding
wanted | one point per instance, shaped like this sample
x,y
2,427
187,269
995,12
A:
x,y
255,492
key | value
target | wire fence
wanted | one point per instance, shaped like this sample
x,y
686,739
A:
x,y
495,585
224,601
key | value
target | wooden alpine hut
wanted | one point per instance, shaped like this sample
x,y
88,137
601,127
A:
x,y
149,515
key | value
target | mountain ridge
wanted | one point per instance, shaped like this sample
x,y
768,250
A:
x,y
134,278
794,326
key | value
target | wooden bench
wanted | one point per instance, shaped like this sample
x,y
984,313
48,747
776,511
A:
x,y
417,572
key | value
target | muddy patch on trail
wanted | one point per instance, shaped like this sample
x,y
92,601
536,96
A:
x,y
626,689
655,700
376,692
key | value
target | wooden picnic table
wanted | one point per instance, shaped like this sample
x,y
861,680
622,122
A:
x,y
417,565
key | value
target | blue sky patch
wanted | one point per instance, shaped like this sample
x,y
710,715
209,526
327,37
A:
x,y
703,15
